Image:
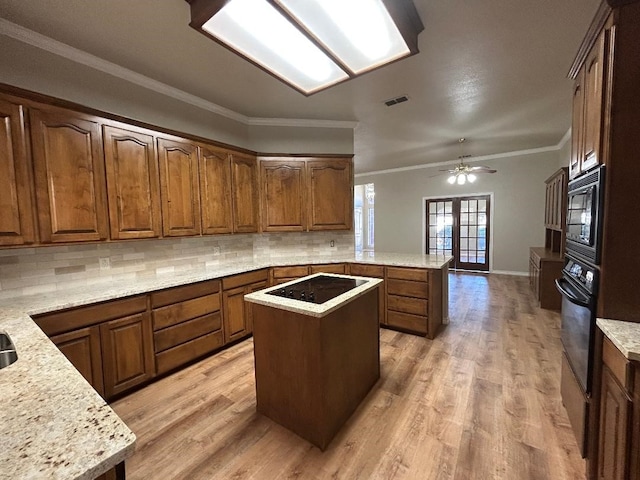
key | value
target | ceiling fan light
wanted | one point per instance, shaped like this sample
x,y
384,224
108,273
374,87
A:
x,y
462,179
451,179
471,177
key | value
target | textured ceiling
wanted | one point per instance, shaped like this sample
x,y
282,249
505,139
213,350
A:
x,y
493,71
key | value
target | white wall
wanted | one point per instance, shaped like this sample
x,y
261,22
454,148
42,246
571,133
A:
x,y
519,195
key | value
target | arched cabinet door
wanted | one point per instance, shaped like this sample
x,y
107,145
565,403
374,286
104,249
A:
x,y
244,174
330,191
215,190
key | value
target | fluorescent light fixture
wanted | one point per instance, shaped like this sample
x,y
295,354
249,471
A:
x,y
312,44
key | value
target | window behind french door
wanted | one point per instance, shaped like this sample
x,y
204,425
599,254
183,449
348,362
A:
x,y
460,227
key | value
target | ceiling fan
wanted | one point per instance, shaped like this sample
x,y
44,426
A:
x,y
463,173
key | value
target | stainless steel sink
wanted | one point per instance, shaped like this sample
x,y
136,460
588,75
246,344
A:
x,y
8,353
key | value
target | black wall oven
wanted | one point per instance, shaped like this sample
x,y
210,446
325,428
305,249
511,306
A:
x,y
584,212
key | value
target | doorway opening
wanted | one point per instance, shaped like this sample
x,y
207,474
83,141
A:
x,y
364,219
460,227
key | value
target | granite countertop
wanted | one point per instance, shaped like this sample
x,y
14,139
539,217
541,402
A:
x,y
308,308
53,424
624,335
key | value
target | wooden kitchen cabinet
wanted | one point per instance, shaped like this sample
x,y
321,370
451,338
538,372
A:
x,y
283,194
187,323
556,202
279,275
339,268
82,348
545,267
16,207
244,177
133,187
374,271
238,320
109,343
69,176
215,190
179,187
330,194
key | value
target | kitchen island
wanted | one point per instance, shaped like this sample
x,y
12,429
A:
x,y
315,362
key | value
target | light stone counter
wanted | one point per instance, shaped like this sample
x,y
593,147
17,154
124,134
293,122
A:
x,y
52,423
308,308
624,335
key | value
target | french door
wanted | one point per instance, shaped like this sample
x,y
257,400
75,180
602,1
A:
x,y
459,226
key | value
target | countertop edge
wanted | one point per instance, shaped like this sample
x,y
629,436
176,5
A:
x,y
624,335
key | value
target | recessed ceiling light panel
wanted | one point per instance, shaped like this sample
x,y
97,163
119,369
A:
x,y
311,44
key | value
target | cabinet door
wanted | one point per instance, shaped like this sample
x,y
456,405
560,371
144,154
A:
x,y
16,209
244,173
614,419
69,175
254,287
577,125
330,194
215,190
127,353
234,314
179,188
133,189
82,349
594,76
283,196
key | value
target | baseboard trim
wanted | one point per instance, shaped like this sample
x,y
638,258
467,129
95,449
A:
x,y
508,272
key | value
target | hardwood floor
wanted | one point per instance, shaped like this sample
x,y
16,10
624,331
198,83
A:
x,y
481,401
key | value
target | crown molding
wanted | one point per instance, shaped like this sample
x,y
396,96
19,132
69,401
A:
x,y
50,45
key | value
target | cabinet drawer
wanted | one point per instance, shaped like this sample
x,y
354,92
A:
x,y
244,279
290,272
617,363
358,269
59,322
408,288
186,292
180,312
417,275
416,306
183,332
406,321
278,281
534,258
328,268
176,356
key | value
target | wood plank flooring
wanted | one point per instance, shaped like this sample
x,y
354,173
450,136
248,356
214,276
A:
x,y
481,401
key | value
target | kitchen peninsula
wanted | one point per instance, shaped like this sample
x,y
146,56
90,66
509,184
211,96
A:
x,y
34,348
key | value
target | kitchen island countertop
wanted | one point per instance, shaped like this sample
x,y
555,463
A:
x,y
624,335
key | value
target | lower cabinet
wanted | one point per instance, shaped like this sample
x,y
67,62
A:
x,y
238,322
109,343
374,271
286,274
187,323
544,267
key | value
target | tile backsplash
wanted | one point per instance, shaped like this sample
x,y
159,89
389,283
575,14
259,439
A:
x,y
25,271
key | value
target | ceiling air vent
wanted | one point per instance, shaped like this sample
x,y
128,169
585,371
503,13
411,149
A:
x,y
394,101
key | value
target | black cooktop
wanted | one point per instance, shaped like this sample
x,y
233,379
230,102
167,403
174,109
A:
x,y
318,289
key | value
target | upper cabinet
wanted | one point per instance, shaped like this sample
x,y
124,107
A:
x,y
215,190
283,195
244,175
302,194
69,176
132,184
179,187
330,190
588,108
16,210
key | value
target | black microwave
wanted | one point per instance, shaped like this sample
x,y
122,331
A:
x,y
584,215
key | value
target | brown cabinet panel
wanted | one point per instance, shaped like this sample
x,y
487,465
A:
x,y
188,351
614,424
69,176
359,269
290,272
248,308
183,332
179,187
594,88
185,292
234,281
82,349
406,321
215,190
330,193
133,187
416,306
417,275
235,314
283,195
407,288
172,314
244,175
127,353
577,122
339,268
16,207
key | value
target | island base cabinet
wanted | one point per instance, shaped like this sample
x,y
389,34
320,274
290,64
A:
x,y
312,373
116,473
